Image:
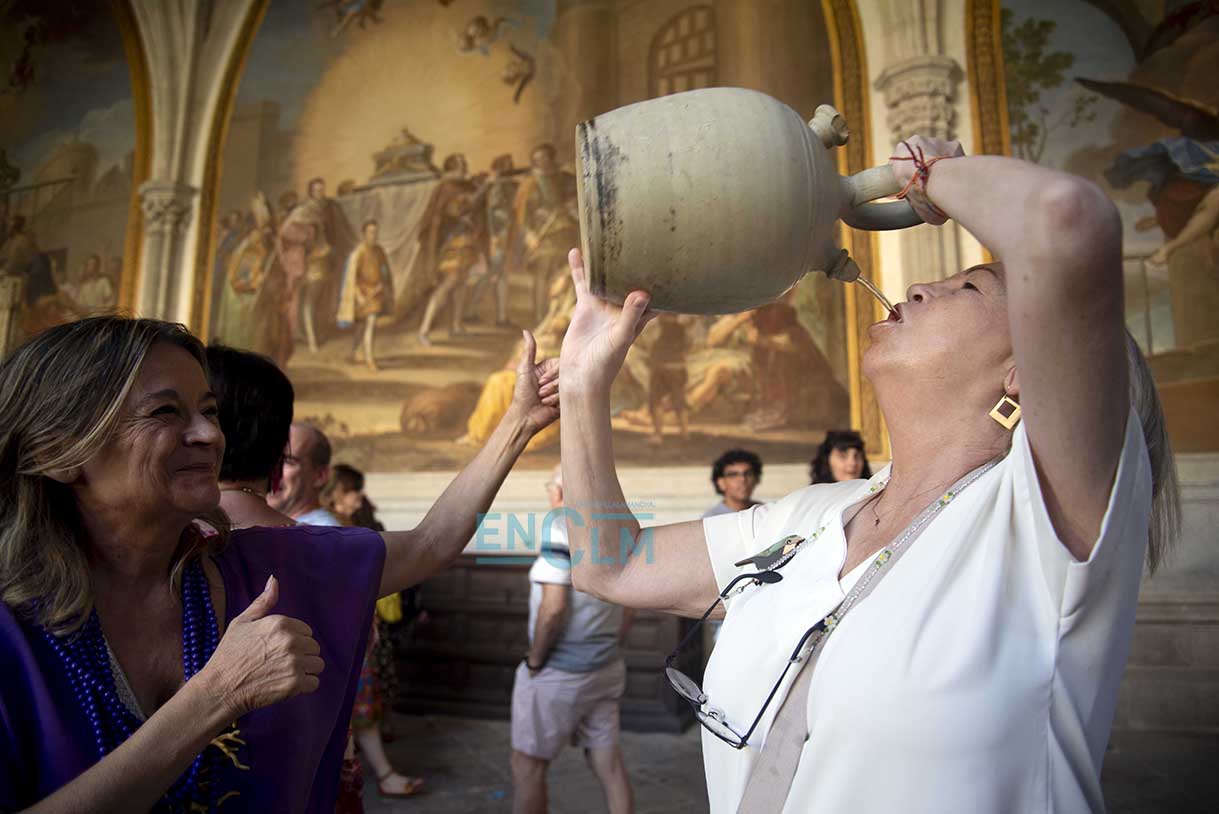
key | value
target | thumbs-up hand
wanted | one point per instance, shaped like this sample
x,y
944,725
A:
x,y
262,658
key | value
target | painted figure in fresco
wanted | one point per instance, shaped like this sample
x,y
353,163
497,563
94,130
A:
x,y
45,306
480,34
545,222
233,228
668,375
367,293
784,357
303,251
518,71
92,290
722,366
1202,224
453,235
1183,177
497,391
247,267
319,291
492,275
19,247
286,202
719,371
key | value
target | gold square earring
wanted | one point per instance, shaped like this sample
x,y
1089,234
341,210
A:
x,y
1011,417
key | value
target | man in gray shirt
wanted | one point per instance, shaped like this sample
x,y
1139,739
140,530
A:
x,y
735,475
569,685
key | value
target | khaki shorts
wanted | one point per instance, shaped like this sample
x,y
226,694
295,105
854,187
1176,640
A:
x,y
556,707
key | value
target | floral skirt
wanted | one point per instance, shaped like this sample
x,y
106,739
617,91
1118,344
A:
x,y
369,707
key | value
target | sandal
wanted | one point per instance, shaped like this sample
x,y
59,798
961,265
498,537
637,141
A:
x,y
413,785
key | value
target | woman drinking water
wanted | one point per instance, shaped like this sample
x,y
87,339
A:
x,y
950,634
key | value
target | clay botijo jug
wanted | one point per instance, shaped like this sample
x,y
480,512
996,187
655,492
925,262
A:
x,y
719,200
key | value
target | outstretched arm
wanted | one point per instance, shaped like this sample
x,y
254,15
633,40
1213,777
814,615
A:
x,y
663,568
413,556
1059,239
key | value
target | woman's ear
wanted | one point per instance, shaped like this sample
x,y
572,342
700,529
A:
x,y
1011,383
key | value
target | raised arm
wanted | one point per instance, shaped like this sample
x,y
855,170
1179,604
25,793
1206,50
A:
x,y
413,556
663,568
1059,239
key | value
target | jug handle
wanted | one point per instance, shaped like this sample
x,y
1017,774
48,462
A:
x,y
868,185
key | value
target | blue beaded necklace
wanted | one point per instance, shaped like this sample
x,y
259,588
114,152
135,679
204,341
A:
x,y
86,659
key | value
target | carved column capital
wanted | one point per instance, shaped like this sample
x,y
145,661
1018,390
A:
x,y
166,206
919,93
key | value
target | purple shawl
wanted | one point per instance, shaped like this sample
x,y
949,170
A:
x,y
328,578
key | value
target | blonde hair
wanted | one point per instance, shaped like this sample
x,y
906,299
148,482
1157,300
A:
x,y
1165,521
61,395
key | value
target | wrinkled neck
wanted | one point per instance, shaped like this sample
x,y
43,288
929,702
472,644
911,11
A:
x,y
935,438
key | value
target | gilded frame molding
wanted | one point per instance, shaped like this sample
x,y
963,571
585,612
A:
x,y
986,77
209,189
141,94
850,65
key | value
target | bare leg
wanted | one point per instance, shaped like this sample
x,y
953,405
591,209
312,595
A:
x,y
501,296
655,406
307,316
439,297
610,769
357,344
541,290
371,749
459,302
679,407
370,325
528,784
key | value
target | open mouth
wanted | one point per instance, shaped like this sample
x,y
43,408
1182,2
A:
x,y
895,315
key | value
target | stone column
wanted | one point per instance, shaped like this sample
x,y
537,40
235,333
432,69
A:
x,y
585,34
191,50
919,86
167,208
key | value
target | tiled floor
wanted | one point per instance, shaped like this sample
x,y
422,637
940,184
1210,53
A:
x,y
465,762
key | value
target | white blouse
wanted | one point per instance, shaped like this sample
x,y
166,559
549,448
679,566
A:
x,y
981,674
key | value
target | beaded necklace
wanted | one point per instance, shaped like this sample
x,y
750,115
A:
x,y
86,660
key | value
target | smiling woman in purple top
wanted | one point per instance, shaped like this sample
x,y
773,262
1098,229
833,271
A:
x,y
147,666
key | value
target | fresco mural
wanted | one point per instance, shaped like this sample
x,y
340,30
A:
x,y
397,202
67,157
1125,94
